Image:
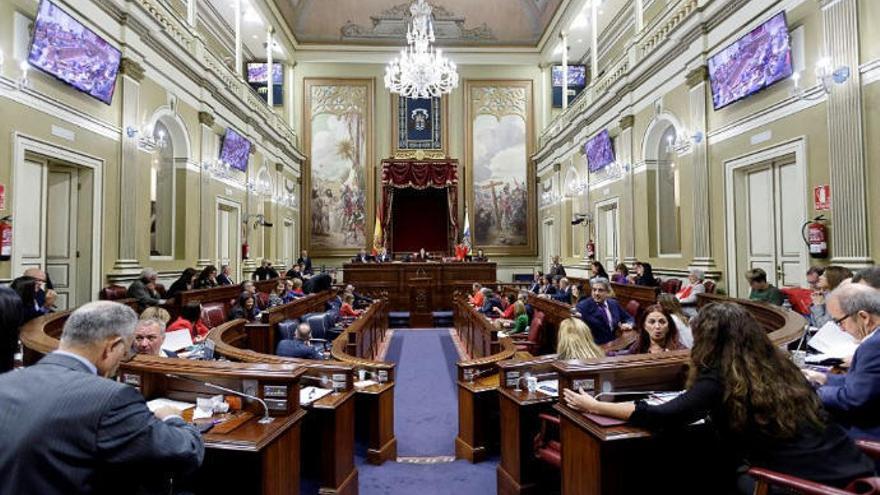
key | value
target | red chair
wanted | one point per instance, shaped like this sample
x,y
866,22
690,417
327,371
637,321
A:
x,y
710,286
113,293
800,298
547,447
766,478
633,307
214,314
671,286
532,342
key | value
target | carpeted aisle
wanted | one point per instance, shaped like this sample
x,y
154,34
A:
x,y
426,422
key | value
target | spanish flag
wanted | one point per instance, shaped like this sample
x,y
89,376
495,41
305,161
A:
x,y
377,233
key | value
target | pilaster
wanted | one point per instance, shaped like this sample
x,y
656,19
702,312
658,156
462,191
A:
x,y
846,142
625,152
697,97
132,73
206,209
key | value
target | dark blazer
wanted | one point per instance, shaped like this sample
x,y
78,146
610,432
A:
x,y
298,349
306,264
179,285
386,258
596,318
363,259
563,296
223,279
144,296
854,398
65,430
265,273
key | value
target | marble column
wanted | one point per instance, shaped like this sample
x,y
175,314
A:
x,y
846,138
206,209
625,155
697,81
131,73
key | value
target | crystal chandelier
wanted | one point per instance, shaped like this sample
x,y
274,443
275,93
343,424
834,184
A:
x,y
421,71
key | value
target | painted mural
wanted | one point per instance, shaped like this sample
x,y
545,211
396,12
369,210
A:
x,y
338,127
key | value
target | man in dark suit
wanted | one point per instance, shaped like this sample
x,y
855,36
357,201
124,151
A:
x,y
854,397
563,295
305,262
384,256
224,278
601,313
144,289
362,257
295,272
65,428
265,271
318,283
536,282
300,346
557,271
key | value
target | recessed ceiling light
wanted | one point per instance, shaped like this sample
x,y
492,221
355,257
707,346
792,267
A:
x,y
255,37
580,40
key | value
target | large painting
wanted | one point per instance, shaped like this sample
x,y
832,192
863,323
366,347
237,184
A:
x,y
338,139
500,143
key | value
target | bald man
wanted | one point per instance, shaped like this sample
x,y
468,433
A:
x,y
45,294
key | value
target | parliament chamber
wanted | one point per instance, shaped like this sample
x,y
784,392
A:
x,y
521,247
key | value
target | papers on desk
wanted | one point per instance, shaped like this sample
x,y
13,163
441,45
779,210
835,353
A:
x,y
364,384
833,342
155,404
177,340
549,387
311,394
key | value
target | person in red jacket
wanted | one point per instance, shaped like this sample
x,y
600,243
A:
x,y
190,319
347,309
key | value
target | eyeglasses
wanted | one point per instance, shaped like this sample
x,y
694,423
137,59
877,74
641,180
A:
x,y
838,321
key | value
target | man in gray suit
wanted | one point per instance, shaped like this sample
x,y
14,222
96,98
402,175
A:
x,y
144,289
65,428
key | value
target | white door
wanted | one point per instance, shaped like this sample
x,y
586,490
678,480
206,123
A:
x,y
61,232
768,230
29,234
607,242
288,241
228,238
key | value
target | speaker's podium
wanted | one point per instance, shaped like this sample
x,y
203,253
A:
x,y
421,299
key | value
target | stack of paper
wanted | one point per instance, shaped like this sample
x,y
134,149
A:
x,y
177,340
155,404
549,387
833,342
311,394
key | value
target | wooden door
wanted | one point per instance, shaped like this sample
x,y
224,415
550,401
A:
x,y
61,250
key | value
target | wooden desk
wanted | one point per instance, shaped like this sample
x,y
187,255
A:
x,y
419,288
252,458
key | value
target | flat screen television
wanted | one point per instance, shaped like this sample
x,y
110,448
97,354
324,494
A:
x,y
258,77
577,81
62,47
599,151
235,150
752,63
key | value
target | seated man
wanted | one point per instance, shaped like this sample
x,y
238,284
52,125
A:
x,y
300,346
761,290
149,335
603,314
224,278
66,428
854,398
143,290
295,272
46,295
479,257
360,301
362,257
265,271
477,297
384,256
563,295
490,302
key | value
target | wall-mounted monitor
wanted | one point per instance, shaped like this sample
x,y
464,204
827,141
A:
x,y
258,78
751,63
577,81
599,151
235,150
64,48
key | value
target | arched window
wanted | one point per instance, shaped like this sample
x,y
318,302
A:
x,y
668,195
162,194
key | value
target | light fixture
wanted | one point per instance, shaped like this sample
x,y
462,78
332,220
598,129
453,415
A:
x,y
23,81
682,143
259,187
147,141
826,76
218,169
421,71
285,198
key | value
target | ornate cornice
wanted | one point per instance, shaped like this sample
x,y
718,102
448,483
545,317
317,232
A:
x,y
697,76
206,119
132,69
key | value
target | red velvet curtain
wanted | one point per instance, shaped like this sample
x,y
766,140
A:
x,y
420,174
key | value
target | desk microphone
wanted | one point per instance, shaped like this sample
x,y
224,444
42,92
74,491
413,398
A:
x,y
263,421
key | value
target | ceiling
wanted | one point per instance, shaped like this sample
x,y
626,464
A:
x,y
518,23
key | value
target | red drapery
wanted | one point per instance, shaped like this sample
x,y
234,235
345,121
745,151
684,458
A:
x,y
420,174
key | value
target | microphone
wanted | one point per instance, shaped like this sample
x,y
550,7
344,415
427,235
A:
x,y
263,421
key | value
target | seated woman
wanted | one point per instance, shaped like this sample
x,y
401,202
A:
x,y
190,319
293,289
347,308
657,332
520,318
670,305
645,275
276,295
575,341
208,278
765,413
477,297
598,270
508,312
830,279
687,295
621,274
245,307
186,281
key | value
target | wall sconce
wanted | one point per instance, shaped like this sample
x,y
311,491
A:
x,y
23,81
218,169
285,199
827,77
682,143
259,187
147,141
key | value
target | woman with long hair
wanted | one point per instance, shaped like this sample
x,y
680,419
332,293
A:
x,y
575,341
208,278
520,318
621,274
830,279
186,281
245,307
190,319
766,413
598,270
657,332
11,315
645,275
673,307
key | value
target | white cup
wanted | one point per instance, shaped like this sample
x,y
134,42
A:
x,y
362,375
532,383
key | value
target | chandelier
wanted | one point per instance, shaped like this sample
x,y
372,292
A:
x,y
421,71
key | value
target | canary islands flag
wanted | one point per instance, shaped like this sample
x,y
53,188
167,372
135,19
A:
x,y
466,233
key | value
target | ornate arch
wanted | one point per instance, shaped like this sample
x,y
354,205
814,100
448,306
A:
x,y
655,131
572,177
177,130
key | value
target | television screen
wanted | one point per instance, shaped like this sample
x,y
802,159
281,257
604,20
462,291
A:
x,y
751,63
599,151
64,48
257,73
577,81
235,150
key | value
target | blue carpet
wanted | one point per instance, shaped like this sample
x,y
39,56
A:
x,y
454,478
425,398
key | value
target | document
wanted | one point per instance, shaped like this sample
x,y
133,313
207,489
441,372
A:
x,y
177,340
549,387
311,394
833,342
155,404
364,384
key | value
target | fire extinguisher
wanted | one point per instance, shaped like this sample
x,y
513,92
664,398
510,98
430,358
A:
x,y
591,249
815,235
245,251
5,238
